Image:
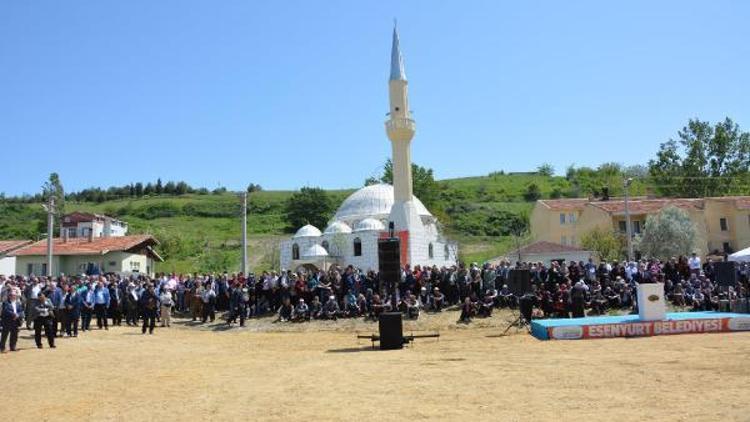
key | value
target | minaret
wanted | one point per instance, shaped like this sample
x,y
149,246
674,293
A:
x,y
400,126
400,129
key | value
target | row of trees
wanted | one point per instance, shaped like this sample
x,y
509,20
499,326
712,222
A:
x,y
132,190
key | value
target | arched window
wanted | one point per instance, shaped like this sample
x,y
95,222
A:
x,y
431,251
325,246
357,247
295,251
447,252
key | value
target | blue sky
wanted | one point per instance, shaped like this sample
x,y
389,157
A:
x,y
294,93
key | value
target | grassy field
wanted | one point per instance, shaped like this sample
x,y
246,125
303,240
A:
x,y
202,232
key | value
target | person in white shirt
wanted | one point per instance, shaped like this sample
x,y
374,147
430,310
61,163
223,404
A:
x,y
694,262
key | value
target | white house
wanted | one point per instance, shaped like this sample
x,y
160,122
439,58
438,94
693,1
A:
x,y
83,224
8,262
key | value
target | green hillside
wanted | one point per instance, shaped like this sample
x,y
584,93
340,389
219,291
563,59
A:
x,y
200,232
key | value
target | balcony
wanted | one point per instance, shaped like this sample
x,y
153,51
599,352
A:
x,y
400,128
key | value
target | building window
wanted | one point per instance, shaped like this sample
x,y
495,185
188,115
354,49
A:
x,y
325,246
295,251
572,240
431,251
727,248
623,226
29,269
447,252
723,224
636,227
562,218
572,218
357,247
563,240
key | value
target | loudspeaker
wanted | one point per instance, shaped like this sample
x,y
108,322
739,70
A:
x,y
389,260
526,306
726,273
391,331
519,282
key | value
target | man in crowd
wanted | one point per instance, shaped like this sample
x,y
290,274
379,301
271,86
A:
x,y
11,318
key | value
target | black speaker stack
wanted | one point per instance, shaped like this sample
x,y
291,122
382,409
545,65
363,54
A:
x,y
389,260
726,274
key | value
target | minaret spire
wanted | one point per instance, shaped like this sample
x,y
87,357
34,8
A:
x,y
397,60
400,126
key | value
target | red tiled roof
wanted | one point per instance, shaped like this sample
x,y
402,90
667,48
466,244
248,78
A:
x,y
646,206
81,246
11,245
565,204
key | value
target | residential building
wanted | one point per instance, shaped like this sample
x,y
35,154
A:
x,y
722,223
83,224
98,255
8,262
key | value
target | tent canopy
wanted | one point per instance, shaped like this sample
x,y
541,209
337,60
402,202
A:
x,y
741,256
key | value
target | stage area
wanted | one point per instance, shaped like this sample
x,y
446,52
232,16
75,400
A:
x,y
319,372
632,326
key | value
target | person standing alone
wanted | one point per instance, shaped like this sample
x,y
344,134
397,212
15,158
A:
x,y
166,307
148,303
44,319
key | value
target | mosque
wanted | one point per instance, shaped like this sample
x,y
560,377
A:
x,y
351,237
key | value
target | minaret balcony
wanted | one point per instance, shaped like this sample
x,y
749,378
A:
x,y
400,128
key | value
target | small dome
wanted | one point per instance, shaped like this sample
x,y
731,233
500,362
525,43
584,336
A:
x,y
373,201
308,231
315,251
369,224
338,227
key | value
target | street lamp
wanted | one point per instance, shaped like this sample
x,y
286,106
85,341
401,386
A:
x,y
628,228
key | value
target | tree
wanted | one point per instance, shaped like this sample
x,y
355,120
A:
x,y
666,234
139,189
159,189
532,193
423,181
605,243
546,169
53,187
704,161
252,187
309,206
371,181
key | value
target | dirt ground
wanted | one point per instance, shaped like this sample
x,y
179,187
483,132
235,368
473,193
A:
x,y
320,371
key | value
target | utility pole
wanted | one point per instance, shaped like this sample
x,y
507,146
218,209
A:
x,y
628,228
50,232
244,233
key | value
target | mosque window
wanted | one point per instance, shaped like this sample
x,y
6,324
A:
x,y
431,251
447,252
357,247
295,251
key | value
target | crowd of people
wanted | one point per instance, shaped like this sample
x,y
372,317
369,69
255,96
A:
x,y
64,306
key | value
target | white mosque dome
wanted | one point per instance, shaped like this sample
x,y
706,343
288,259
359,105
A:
x,y
374,201
308,231
338,227
369,224
315,251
